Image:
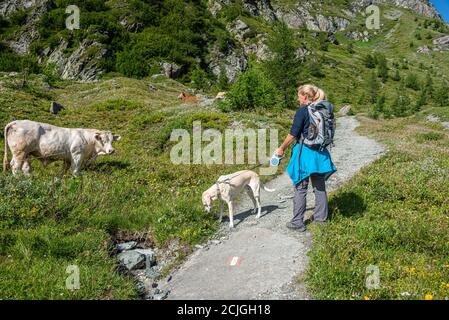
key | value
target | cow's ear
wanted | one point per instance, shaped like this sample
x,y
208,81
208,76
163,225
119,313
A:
x,y
117,138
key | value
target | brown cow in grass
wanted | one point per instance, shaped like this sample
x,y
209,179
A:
x,y
187,97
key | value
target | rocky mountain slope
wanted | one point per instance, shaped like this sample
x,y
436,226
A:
x,y
245,23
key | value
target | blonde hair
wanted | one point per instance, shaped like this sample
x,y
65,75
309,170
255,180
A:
x,y
313,93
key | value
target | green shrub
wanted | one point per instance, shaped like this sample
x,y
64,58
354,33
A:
x,y
314,69
429,136
396,76
199,79
412,82
369,61
12,62
441,96
252,90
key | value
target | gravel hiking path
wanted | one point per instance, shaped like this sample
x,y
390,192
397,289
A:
x,y
262,259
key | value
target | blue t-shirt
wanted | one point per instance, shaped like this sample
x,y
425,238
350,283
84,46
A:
x,y
300,123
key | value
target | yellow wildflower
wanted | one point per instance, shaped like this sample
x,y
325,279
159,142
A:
x,y
428,297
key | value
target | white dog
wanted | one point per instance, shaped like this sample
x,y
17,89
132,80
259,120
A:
x,y
227,187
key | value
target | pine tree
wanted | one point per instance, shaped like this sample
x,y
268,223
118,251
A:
x,y
323,41
442,96
223,81
380,103
373,113
401,102
421,101
283,68
428,87
412,82
378,107
373,87
387,112
350,48
369,61
382,68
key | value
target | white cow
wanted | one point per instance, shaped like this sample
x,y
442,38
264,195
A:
x,y
50,143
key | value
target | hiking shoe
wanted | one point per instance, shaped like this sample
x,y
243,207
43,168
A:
x,y
295,227
320,223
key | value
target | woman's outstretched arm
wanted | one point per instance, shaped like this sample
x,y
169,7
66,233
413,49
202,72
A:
x,y
288,140
295,131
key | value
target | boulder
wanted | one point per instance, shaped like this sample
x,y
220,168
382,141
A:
x,y
161,295
432,118
170,70
152,273
206,102
55,107
126,246
131,260
424,49
150,256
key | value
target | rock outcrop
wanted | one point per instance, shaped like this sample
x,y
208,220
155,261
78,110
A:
x,y
261,8
82,65
232,63
28,33
7,7
441,43
422,7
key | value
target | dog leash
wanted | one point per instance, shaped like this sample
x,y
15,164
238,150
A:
x,y
274,161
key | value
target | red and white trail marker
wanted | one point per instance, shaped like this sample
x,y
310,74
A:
x,y
234,261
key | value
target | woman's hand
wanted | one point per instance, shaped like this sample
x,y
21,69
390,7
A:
x,y
279,152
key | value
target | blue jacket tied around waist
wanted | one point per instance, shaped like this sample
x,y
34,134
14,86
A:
x,y
310,161
306,161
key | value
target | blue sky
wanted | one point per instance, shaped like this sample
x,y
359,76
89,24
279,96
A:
x,y
442,7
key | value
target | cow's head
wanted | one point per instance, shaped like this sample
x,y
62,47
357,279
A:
x,y
103,142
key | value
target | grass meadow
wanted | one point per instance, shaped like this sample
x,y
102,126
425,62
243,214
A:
x,y
394,214
49,222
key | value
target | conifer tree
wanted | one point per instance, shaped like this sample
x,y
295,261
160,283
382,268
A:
x,y
283,68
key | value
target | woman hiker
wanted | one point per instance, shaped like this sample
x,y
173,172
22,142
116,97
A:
x,y
314,164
